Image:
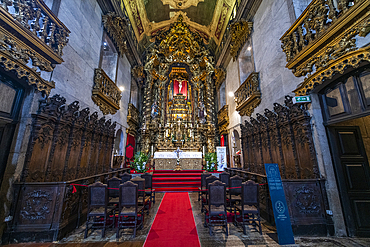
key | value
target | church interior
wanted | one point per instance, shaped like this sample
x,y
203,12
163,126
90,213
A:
x,y
183,121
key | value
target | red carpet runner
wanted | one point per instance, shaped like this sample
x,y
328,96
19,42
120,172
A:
x,y
174,223
176,181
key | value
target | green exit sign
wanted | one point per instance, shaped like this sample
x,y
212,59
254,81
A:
x,y
302,99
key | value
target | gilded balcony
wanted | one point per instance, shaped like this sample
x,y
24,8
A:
x,y
248,95
322,41
31,34
105,93
223,119
133,119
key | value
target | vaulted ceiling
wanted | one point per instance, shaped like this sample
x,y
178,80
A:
x,y
209,18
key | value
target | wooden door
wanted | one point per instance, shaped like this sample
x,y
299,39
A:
x,y
353,176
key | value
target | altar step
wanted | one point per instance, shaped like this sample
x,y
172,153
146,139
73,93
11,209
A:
x,y
172,181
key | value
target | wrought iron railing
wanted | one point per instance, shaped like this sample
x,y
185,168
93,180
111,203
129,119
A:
x,y
105,93
248,95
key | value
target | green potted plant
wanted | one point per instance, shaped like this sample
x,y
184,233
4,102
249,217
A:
x,y
139,163
211,162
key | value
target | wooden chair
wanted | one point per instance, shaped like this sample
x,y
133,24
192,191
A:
x,y
202,188
225,178
209,180
235,191
249,210
143,199
149,186
113,193
97,213
125,177
129,212
216,215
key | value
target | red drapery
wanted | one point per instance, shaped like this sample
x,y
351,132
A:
x,y
130,146
184,88
222,141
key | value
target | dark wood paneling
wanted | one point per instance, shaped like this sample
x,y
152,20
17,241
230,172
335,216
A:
x,y
67,143
284,137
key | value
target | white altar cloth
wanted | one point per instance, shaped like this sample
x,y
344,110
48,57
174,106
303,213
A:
x,y
173,155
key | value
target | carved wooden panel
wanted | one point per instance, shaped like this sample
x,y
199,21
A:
x,y
67,143
282,136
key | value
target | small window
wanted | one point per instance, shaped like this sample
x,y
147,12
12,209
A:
x,y
109,57
353,96
365,82
334,101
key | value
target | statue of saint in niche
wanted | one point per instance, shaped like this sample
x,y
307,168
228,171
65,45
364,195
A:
x,y
202,113
155,111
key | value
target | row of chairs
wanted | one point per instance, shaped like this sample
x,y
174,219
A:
x,y
225,194
126,199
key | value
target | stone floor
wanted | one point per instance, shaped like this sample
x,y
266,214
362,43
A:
x,y
235,238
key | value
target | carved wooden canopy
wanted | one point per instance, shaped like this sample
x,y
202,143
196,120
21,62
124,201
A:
x,y
322,42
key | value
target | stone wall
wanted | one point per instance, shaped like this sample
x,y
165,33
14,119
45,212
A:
x,y
74,78
276,81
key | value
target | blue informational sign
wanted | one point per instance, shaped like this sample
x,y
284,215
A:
x,y
279,205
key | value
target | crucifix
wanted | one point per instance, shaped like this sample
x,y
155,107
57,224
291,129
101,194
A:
x,y
177,152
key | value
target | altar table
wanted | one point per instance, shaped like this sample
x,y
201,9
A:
x,y
168,160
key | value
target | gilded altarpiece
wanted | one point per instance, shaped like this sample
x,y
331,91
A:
x,y
178,107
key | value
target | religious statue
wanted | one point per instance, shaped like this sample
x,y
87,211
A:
x,y
180,86
202,113
155,111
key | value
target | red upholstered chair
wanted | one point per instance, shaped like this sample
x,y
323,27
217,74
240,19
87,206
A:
x,y
98,212
249,210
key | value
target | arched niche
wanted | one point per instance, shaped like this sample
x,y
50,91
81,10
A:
x,y
118,143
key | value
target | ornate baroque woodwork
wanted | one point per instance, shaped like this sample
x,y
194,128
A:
x,y
248,95
116,28
31,33
281,136
139,75
322,42
240,31
306,199
105,93
178,106
223,119
133,119
67,143
220,75
48,211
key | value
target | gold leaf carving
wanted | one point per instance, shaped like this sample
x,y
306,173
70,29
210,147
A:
x,y
105,93
240,32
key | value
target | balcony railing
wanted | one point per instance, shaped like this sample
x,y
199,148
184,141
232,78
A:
x,y
248,95
223,119
105,93
324,33
133,119
36,17
32,39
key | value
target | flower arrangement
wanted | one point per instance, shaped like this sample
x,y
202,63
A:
x,y
211,162
139,163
